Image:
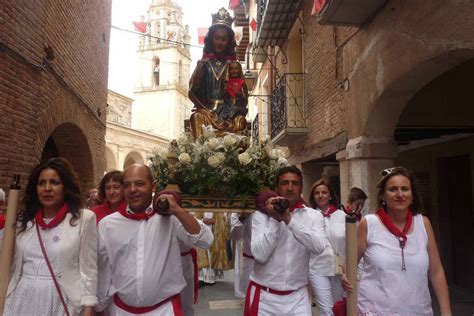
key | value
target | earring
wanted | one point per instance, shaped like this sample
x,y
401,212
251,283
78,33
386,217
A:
x,y
384,203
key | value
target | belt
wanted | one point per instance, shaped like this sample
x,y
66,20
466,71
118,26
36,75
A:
x,y
251,308
248,256
175,300
193,254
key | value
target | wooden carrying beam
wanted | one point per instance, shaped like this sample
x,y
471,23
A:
x,y
6,255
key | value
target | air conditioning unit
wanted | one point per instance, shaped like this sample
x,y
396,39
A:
x,y
346,12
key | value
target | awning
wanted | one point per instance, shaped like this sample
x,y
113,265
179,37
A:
x,y
275,20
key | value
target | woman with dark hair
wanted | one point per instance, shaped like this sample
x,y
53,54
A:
x,y
325,268
54,271
400,253
110,191
207,84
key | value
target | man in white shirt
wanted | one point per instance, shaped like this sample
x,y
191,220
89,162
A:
x,y
241,230
139,257
281,245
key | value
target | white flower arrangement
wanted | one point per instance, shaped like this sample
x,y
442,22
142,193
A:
x,y
220,166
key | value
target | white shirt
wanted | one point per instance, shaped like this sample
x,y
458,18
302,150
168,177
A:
x,y
141,260
239,230
282,251
335,232
383,288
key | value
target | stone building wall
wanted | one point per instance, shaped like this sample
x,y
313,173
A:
x,y
53,85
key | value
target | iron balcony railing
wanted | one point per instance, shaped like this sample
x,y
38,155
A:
x,y
287,104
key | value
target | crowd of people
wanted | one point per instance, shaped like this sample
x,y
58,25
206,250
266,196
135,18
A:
x,y
121,257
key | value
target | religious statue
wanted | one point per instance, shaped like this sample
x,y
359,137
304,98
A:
x,y
217,88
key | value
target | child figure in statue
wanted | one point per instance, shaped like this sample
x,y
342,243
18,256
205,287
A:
x,y
235,95
208,83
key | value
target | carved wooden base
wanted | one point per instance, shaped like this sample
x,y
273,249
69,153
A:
x,y
218,204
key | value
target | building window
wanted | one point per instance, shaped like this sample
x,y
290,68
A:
x,y
156,71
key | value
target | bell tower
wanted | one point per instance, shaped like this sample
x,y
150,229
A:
x,y
161,92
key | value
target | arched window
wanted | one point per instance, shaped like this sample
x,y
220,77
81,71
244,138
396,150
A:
x,y
156,70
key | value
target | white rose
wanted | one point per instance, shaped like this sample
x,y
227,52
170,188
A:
x,y
220,157
282,161
244,158
184,158
229,140
285,152
273,153
213,161
213,143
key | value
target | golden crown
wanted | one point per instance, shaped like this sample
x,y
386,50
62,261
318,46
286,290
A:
x,y
222,17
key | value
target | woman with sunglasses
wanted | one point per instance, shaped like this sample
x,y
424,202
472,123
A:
x,y
400,253
54,271
325,282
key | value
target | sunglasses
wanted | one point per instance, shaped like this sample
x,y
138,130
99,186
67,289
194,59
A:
x,y
387,171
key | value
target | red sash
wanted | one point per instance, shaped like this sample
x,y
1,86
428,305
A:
x,y
193,254
175,300
251,308
2,221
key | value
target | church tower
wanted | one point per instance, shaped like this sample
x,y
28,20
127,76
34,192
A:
x,y
161,93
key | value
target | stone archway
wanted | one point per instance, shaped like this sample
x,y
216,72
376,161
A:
x,y
388,107
131,158
68,141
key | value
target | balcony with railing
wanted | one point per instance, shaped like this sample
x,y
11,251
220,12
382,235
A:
x,y
287,116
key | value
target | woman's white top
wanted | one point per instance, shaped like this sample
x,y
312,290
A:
x,y
335,231
384,289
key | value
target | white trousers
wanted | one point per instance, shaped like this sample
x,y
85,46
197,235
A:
x,y
294,304
187,294
243,267
328,290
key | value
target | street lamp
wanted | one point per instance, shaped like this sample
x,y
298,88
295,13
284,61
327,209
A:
x,y
249,78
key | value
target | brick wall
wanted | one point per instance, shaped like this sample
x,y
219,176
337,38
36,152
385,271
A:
x,y
65,100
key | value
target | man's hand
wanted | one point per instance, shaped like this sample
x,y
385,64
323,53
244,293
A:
x,y
272,212
209,221
174,207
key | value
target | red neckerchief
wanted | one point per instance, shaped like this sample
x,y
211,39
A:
x,y
230,86
58,218
401,235
298,204
329,211
218,56
122,206
137,216
2,221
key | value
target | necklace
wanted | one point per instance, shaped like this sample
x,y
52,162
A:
x,y
218,63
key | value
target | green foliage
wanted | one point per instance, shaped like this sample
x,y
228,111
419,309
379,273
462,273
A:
x,y
218,166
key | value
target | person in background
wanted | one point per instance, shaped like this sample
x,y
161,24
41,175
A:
x,y
3,211
111,192
355,202
92,198
54,271
323,268
400,253
241,233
